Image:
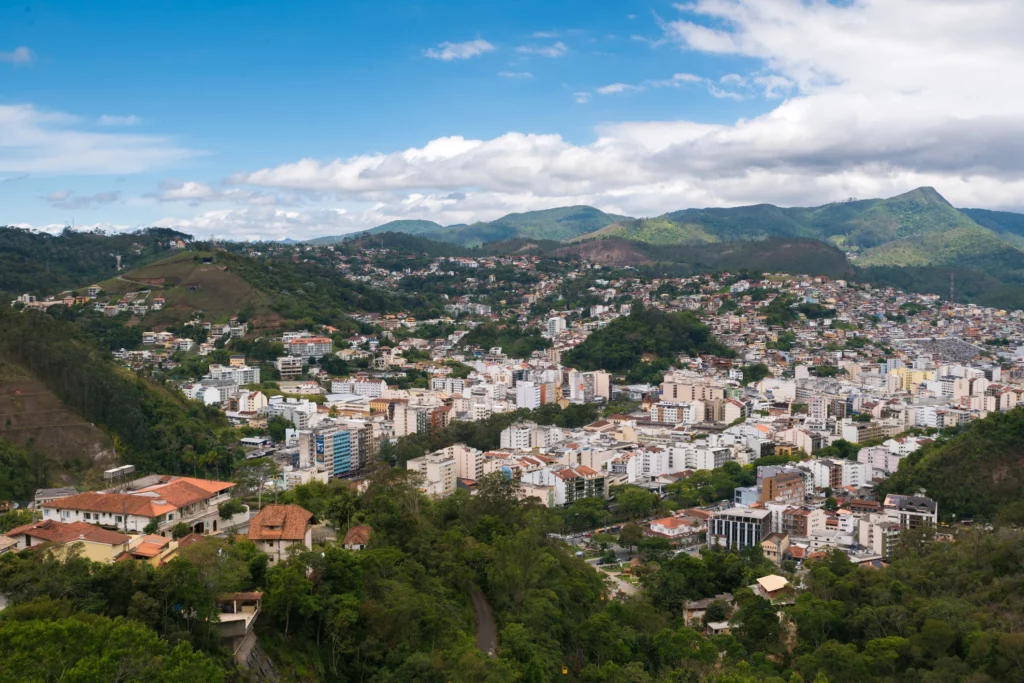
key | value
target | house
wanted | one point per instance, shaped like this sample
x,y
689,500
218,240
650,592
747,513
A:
x,y
775,546
160,500
48,495
694,610
358,537
95,543
276,528
772,587
673,527
237,614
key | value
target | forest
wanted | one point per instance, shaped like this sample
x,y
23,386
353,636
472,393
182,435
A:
x,y
619,346
152,428
515,340
400,610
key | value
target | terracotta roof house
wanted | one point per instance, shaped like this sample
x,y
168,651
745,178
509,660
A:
x,y
276,528
358,537
96,543
169,501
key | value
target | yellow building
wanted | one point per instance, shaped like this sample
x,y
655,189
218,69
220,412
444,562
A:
x,y
908,378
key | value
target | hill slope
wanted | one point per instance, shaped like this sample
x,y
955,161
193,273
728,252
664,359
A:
x,y
192,282
972,474
561,223
41,263
652,231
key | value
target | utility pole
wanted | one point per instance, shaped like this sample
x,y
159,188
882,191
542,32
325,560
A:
x,y
952,291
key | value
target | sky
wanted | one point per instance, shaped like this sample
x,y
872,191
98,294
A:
x,y
270,120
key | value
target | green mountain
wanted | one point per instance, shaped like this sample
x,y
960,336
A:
x,y
860,224
1009,226
560,224
41,263
652,231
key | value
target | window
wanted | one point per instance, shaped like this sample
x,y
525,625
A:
x,y
88,515
118,519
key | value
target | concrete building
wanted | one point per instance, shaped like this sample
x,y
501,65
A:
x,y
739,528
438,471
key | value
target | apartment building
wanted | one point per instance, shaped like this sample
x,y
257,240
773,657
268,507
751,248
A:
x,y
739,528
438,471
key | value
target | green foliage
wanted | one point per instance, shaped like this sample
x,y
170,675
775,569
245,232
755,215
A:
x,y
515,340
277,426
972,474
15,518
86,647
151,428
619,346
21,472
755,373
41,263
230,508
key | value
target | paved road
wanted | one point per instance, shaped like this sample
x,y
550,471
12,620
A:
x,y
486,630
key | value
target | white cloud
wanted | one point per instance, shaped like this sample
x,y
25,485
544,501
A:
x,y
616,88
47,142
544,34
581,97
19,55
113,120
555,50
515,74
447,52
881,96
66,199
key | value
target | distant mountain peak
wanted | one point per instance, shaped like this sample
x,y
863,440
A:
x,y
923,194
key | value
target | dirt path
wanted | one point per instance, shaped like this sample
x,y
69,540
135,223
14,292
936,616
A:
x,y
486,630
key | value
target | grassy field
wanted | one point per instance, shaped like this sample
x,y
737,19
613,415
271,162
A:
x,y
30,416
190,284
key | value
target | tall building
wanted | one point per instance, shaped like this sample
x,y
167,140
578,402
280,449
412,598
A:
x,y
739,528
438,471
556,324
527,395
783,488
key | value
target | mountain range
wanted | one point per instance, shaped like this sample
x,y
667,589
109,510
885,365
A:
x,y
917,229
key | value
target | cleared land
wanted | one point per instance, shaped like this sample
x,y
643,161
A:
x,y
192,282
31,416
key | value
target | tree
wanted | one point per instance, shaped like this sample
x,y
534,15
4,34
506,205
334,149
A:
x,y
831,504
276,427
253,475
631,535
634,501
180,530
755,373
230,508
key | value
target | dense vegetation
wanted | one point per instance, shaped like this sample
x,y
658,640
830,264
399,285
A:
x,y
151,428
620,345
306,293
21,472
515,340
401,610
40,263
972,474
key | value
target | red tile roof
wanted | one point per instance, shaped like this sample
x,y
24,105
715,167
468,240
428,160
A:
x,y
61,532
358,535
280,522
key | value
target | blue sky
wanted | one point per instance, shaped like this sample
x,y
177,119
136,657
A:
x,y
199,114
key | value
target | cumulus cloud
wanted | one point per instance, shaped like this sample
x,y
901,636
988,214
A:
x,y
19,55
66,199
876,97
38,141
554,50
447,52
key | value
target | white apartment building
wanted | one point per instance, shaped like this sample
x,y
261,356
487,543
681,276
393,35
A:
x,y
239,374
438,471
527,395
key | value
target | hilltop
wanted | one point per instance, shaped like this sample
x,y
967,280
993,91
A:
x,y
560,224
42,263
190,282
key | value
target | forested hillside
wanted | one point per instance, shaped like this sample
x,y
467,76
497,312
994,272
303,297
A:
x,y
40,263
622,345
151,427
976,473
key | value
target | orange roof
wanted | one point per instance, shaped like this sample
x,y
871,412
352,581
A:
x,y
280,522
152,501
61,532
151,546
358,535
